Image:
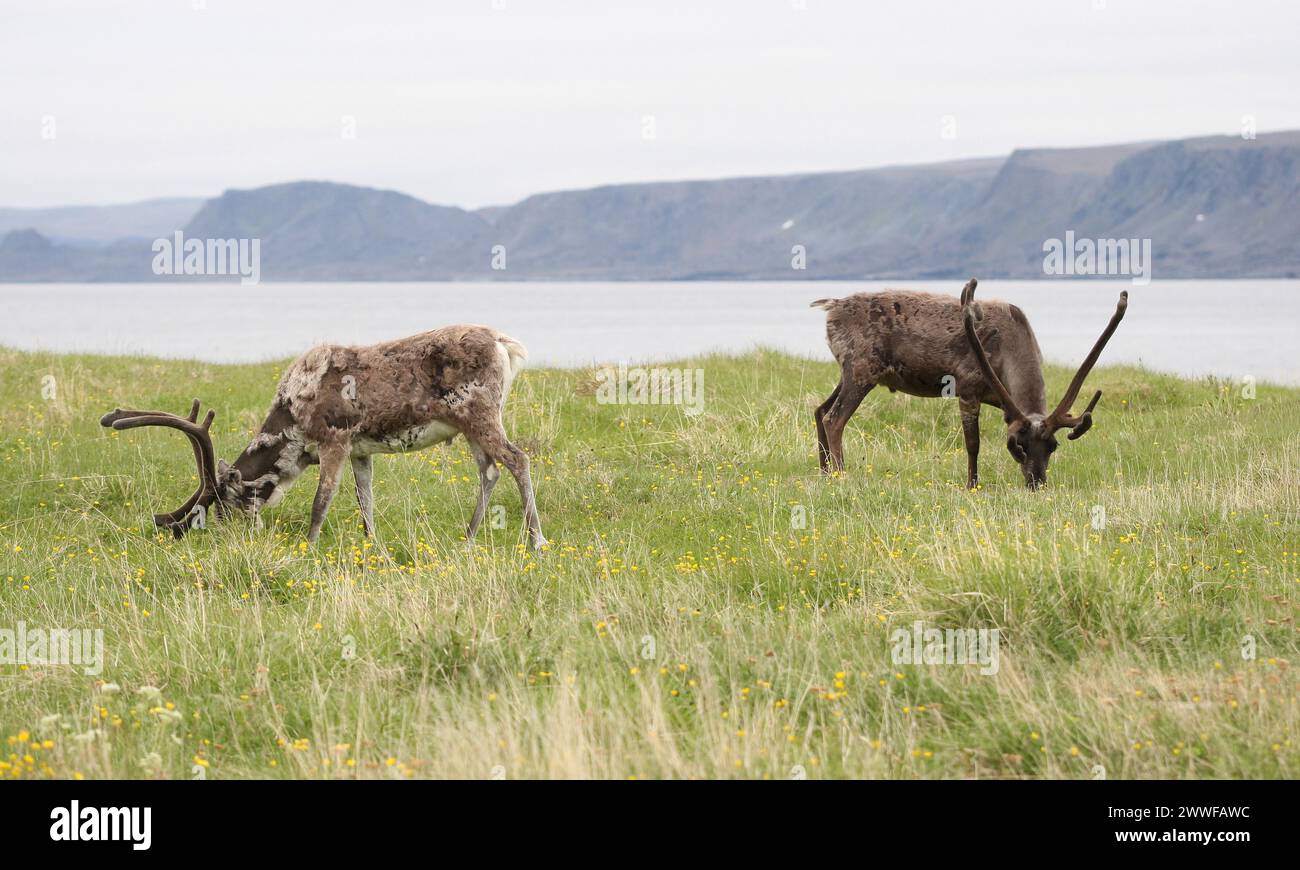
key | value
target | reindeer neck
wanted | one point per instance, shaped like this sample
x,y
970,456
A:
x,y
1030,393
1022,373
275,455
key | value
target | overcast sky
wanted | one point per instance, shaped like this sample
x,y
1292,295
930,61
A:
x,y
476,102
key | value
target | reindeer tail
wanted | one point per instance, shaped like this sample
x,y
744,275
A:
x,y
516,353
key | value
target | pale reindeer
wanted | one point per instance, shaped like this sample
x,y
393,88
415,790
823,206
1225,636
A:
x,y
929,345
337,404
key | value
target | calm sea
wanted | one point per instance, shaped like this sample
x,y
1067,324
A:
x,y
1224,328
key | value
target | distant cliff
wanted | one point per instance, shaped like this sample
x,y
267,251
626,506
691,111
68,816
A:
x,y
1213,207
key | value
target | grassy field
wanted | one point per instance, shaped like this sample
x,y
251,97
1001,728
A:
x,y
682,623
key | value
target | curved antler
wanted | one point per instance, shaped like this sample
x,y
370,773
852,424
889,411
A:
x,y
1060,418
1009,407
178,521
1082,423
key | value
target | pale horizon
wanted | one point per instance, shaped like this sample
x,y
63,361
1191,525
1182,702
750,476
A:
x,y
612,183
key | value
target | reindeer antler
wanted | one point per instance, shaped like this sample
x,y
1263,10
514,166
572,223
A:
x,y
1082,423
178,521
1061,418
1009,407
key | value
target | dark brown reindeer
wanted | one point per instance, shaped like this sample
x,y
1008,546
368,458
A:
x,y
337,404
931,345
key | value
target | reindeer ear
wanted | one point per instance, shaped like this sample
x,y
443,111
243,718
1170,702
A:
x,y
1013,442
228,473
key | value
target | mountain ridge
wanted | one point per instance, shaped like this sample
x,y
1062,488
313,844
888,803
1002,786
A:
x,y
1214,206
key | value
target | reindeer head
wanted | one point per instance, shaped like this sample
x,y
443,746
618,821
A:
x,y
235,493
214,490
1031,437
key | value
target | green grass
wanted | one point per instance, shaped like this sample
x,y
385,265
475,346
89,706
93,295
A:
x,y
679,626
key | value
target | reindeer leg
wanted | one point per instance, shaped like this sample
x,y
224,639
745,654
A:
x,y
970,430
516,461
488,474
332,456
837,417
491,439
363,474
823,449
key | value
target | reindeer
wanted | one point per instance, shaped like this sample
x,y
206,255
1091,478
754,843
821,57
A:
x,y
338,404
928,345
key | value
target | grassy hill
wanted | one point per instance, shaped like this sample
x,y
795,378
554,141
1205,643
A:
x,y
684,622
